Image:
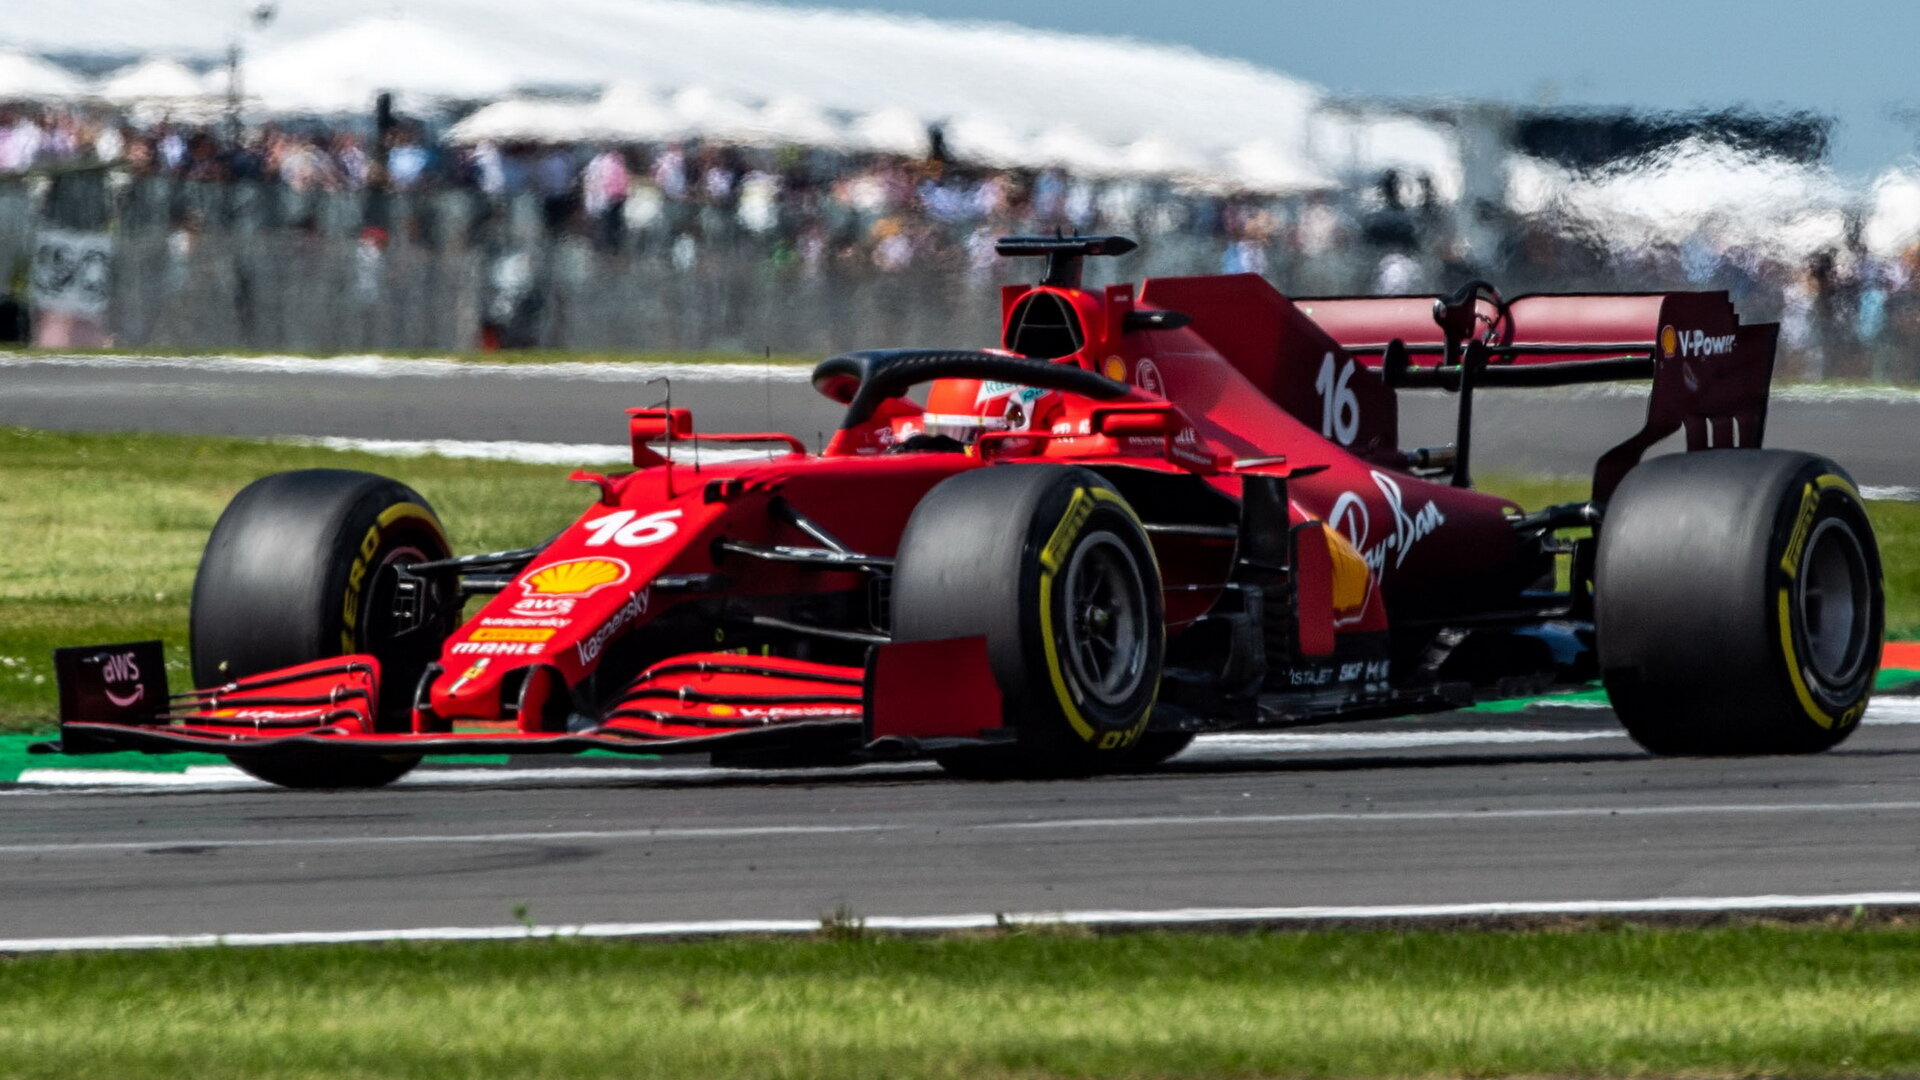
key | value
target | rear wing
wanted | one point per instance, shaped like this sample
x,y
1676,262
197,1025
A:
x,y
1711,374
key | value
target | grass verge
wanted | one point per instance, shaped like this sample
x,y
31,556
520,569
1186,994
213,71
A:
x,y
102,534
1747,1001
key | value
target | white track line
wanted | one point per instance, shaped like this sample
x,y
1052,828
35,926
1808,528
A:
x,y
1209,746
1206,748
558,836
1826,393
1893,710
1135,823
391,367
1679,905
373,366
1672,810
227,776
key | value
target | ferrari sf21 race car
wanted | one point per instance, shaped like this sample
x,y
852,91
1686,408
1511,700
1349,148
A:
x,y
1151,512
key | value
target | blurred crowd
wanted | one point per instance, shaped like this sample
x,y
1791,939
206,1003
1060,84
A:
x,y
805,204
1843,312
304,158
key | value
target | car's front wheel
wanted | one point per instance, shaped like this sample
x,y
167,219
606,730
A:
x,y
1052,567
291,574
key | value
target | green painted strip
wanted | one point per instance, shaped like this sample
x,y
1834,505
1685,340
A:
x,y
1897,680
14,759
1514,705
1890,680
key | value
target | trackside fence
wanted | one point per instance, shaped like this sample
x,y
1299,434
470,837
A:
x,y
163,263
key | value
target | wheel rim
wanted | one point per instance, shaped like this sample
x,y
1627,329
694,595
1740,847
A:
x,y
377,601
403,656
1106,638
1834,602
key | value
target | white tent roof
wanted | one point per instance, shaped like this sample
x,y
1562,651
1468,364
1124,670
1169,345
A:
x,y
986,140
891,131
768,73
1070,146
342,68
518,118
1158,156
794,119
855,61
704,109
28,77
1264,166
629,112
147,80
887,69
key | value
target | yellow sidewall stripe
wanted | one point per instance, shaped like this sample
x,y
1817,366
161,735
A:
x,y
407,509
1052,556
1813,710
1790,565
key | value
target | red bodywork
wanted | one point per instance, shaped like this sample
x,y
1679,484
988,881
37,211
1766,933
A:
x,y
663,619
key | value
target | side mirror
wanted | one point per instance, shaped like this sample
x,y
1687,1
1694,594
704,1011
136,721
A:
x,y
645,425
1148,422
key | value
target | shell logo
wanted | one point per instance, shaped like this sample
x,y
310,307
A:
x,y
1669,341
1116,369
575,577
1352,580
721,710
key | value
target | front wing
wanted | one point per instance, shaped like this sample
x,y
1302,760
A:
x,y
911,699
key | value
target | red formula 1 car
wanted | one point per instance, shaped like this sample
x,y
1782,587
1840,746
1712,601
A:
x,y
1152,512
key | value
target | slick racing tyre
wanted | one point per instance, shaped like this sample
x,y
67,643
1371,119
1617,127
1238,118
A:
x,y
1053,568
1737,603
291,575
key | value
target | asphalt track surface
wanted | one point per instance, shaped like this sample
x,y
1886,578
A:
x,y
1546,805
1560,432
1541,807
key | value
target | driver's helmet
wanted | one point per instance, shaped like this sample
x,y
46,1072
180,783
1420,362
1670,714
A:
x,y
965,409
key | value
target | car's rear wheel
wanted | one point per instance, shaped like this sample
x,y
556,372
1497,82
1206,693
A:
x,y
291,574
1052,567
1738,603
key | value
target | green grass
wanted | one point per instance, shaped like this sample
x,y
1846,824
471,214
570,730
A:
x,y
1613,1002
510,356
102,533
